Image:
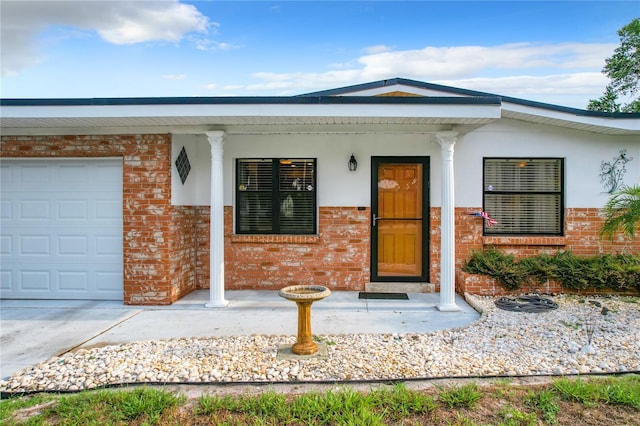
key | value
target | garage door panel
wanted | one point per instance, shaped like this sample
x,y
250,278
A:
x,y
61,229
6,245
34,245
73,245
108,210
51,280
108,246
39,174
109,282
73,281
34,280
105,173
35,210
6,280
6,174
6,210
79,245
73,174
73,209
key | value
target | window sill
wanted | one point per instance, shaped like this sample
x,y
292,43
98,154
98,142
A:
x,y
275,239
524,241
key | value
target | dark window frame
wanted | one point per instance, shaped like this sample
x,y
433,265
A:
x,y
276,193
494,231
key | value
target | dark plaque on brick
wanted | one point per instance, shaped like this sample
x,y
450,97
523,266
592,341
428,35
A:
x,y
183,166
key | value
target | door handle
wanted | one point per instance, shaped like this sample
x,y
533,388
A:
x,y
375,219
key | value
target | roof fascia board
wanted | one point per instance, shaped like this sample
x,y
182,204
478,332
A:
x,y
629,123
231,101
489,109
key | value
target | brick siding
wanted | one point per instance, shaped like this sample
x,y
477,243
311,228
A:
x,y
166,248
338,257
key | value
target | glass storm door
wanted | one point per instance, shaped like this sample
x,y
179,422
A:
x,y
400,219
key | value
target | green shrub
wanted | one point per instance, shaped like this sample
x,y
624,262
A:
x,y
573,272
609,271
496,264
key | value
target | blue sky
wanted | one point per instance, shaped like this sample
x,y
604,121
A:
x,y
550,51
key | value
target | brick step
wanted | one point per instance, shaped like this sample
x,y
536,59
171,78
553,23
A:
x,y
400,287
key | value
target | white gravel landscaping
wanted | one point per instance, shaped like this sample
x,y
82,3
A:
x,y
501,343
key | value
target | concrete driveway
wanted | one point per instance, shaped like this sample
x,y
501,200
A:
x,y
32,331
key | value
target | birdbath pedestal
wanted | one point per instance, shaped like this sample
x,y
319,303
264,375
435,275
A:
x,y
304,296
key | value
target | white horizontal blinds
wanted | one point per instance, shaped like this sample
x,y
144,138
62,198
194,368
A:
x,y
255,196
276,196
523,214
523,195
523,175
297,195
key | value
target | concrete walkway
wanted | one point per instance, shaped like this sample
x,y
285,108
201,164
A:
x,y
32,331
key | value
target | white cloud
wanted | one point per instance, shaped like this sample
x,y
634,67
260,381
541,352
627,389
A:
x,y
203,43
573,89
525,85
467,61
117,22
377,49
174,76
554,73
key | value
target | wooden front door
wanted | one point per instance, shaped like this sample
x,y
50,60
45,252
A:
x,y
400,219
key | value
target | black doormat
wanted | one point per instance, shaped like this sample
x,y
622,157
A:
x,y
388,296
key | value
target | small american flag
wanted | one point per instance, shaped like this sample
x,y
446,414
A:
x,y
486,217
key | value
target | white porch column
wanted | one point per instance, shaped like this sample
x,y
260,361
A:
x,y
447,225
216,227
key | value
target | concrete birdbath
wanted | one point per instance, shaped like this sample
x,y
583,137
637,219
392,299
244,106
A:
x,y
304,296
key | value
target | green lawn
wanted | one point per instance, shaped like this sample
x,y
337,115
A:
x,y
584,401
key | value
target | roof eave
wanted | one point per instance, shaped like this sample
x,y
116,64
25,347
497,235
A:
x,y
568,118
221,112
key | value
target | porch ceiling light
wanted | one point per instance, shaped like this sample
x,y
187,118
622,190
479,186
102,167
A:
x,y
353,164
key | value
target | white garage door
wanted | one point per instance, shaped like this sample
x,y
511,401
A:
x,y
61,229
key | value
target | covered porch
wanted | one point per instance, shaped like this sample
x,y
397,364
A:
x,y
441,275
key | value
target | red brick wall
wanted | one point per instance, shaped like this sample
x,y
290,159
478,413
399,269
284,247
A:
x,y
202,245
338,257
434,245
154,250
182,251
581,238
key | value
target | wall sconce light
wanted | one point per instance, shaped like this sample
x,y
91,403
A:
x,y
353,164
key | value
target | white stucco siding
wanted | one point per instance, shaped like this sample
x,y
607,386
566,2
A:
x,y
583,153
196,189
337,186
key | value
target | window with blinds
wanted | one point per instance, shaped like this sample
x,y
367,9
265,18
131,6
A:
x,y
276,196
525,195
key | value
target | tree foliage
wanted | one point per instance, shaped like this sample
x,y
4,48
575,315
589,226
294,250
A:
x,y
622,212
623,69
